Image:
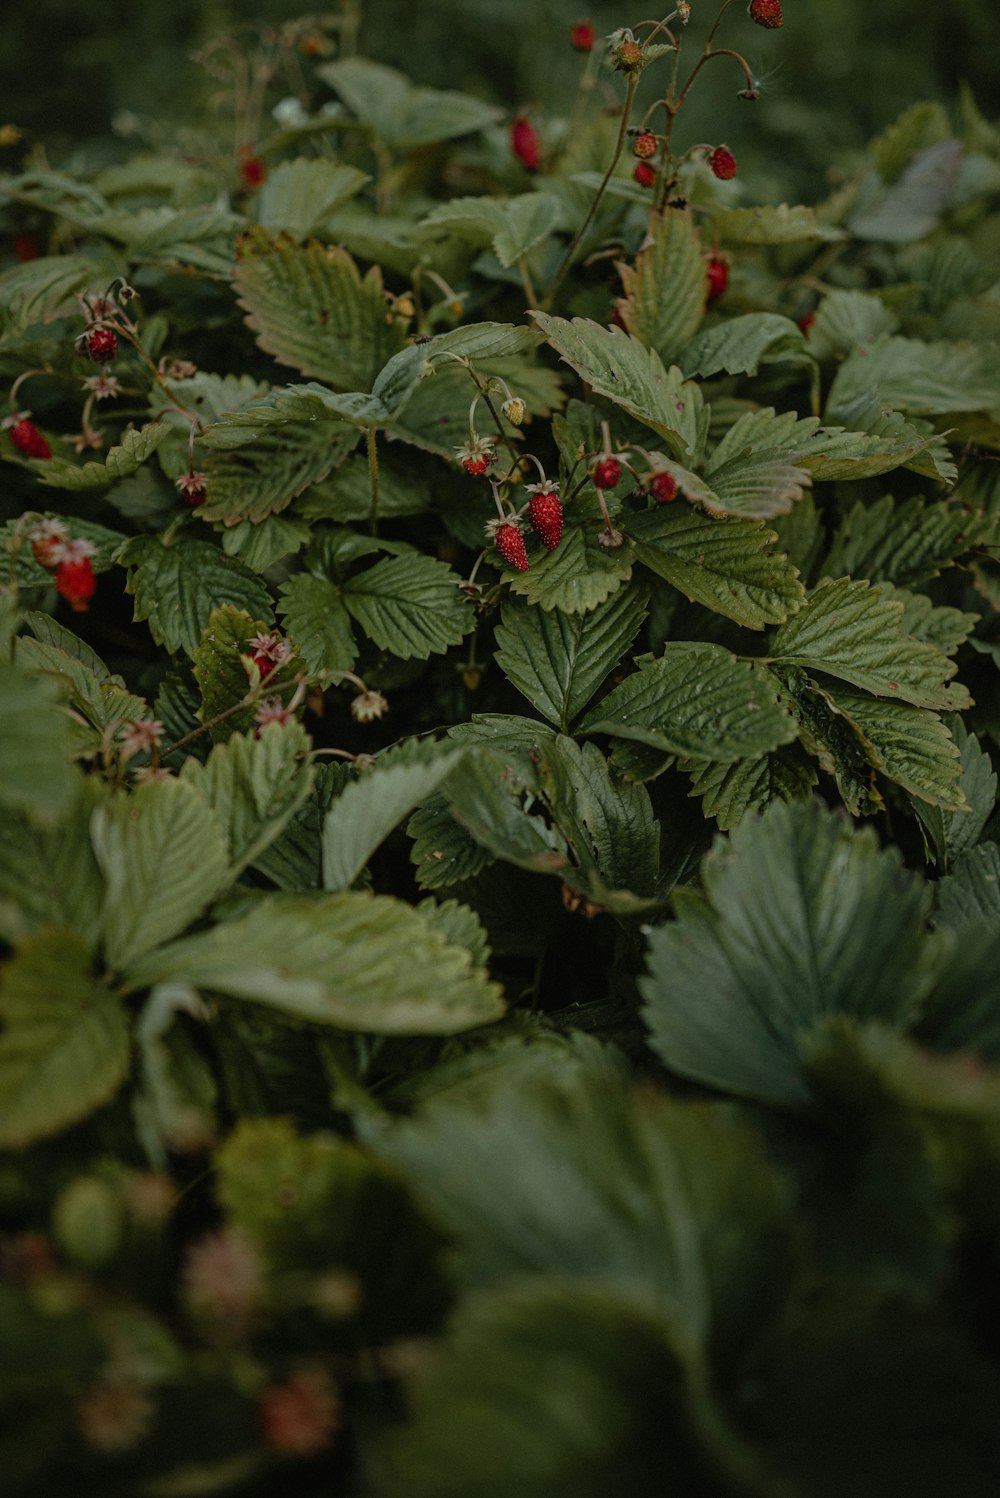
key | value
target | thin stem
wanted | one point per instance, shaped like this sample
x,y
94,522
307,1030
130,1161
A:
x,y
373,475
531,298
574,245
508,442
728,52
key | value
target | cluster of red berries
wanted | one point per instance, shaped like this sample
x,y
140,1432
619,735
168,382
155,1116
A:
x,y
69,562
644,147
545,516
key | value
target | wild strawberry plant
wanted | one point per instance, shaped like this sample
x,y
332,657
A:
x,y
499,871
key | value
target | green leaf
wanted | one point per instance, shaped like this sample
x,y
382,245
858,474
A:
x,y
924,124
829,453
970,894
163,857
253,786
489,794
953,833
526,221
95,695
310,308
369,808
273,465
353,960
907,745
578,576
43,289
846,320
848,630
905,541
698,700
755,485
411,605
728,564
299,194
443,851
318,622
910,207
578,1173
826,733
770,225
400,114
559,660
64,1044
924,379
728,792
665,291
634,378
260,544
36,776
741,344
608,824
126,458
177,587
221,673
48,874
803,918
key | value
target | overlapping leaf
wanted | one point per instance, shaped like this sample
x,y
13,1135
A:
x,y
177,587
665,290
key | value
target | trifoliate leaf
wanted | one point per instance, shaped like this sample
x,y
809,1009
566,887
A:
x,y
355,961
164,857
177,587
728,564
559,660
665,291
803,917
64,1040
848,630
696,700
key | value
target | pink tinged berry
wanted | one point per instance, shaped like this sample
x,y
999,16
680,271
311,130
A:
x,y
644,174
300,1416
766,13
476,466
28,439
101,345
663,488
608,473
75,581
525,144
644,146
723,163
582,36
510,545
718,279
545,514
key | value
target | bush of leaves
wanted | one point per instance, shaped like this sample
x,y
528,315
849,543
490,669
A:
x,y
499,871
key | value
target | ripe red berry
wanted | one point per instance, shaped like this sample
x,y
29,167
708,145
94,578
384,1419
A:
x,y
191,487
75,581
644,146
253,171
476,466
28,439
723,163
608,473
583,35
663,488
101,345
644,174
766,13
806,322
510,545
525,144
545,512
718,279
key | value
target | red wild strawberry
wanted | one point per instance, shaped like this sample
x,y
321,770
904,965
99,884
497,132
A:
x,y
644,146
100,344
510,545
644,174
766,13
583,35
525,144
476,455
191,487
806,322
718,279
663,488
75,581
28,439
545,512
723,163
253,171
607,473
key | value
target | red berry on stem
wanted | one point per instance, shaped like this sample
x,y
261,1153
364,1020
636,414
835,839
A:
x,y
525,144
644,146
28,439
663,488
766,13
101,345
723,163
510,545
545,512
253,171
608,473
583,35
644,174
75,581
718,279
